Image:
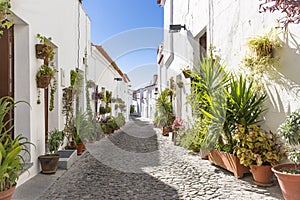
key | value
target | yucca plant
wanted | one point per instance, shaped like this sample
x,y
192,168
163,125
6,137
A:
x,y
12,151
244,106
208,99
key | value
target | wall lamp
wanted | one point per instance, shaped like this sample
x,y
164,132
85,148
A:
x,y
118,79
176,28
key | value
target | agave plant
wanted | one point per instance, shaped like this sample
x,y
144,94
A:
x,y
12,151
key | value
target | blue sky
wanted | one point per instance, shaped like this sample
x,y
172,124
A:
x,y
116,24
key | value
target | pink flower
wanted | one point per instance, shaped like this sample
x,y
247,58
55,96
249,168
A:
x,y
178,122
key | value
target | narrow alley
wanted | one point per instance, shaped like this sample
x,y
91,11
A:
x,y
137,162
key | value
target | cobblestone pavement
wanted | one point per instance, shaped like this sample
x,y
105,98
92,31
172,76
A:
x,y
138,163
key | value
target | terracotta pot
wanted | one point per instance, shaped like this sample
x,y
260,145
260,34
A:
x,y
7,194
49,163
204,154
289,183
43,81
262,175
229,162
80,147
165,132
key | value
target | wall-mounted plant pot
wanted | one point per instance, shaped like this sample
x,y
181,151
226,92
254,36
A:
x,y
186,73
49,163
40,51
43,81
180,84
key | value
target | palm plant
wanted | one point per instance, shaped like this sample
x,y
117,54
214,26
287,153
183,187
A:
x,y
11,159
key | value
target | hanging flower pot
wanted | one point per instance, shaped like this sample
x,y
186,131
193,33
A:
x,y
186,73
43,81
40,51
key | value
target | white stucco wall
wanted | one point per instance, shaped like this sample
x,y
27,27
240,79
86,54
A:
x,y
103,74
228,25
70,33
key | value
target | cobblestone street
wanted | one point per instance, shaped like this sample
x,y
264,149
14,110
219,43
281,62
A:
x,y
138,163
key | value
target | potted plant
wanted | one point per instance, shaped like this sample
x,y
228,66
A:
x,y
177,124
43,79
288,174
44,50
12,151
186,73
82,130
5,12
260,150
49,161
44,76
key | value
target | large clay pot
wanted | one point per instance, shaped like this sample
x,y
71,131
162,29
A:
x,y
7,194
289,183
49,163
262,175
228,161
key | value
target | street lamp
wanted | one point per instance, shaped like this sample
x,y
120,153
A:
x,y
176,28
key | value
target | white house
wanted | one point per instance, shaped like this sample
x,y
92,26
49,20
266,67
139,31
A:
x,y
227,25
108,76
144,99
70,33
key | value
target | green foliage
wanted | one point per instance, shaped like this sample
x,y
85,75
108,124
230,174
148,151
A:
x,y
290,131
257,147
208,99
164,116
56,139
45,70
11,159
132,109
48,50
260,59
73,76
67,111
4,15
83,127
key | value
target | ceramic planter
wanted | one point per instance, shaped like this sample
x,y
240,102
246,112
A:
x,y
262,175
289,183
49,163
229,162
7,194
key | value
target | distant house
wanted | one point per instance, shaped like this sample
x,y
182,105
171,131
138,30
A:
x,y
192,26
144,99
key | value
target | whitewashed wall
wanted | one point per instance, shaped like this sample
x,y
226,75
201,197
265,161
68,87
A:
x,y
103,74
70,33
229,24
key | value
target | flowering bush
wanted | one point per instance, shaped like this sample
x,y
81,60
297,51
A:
x,y
258,147
177,124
